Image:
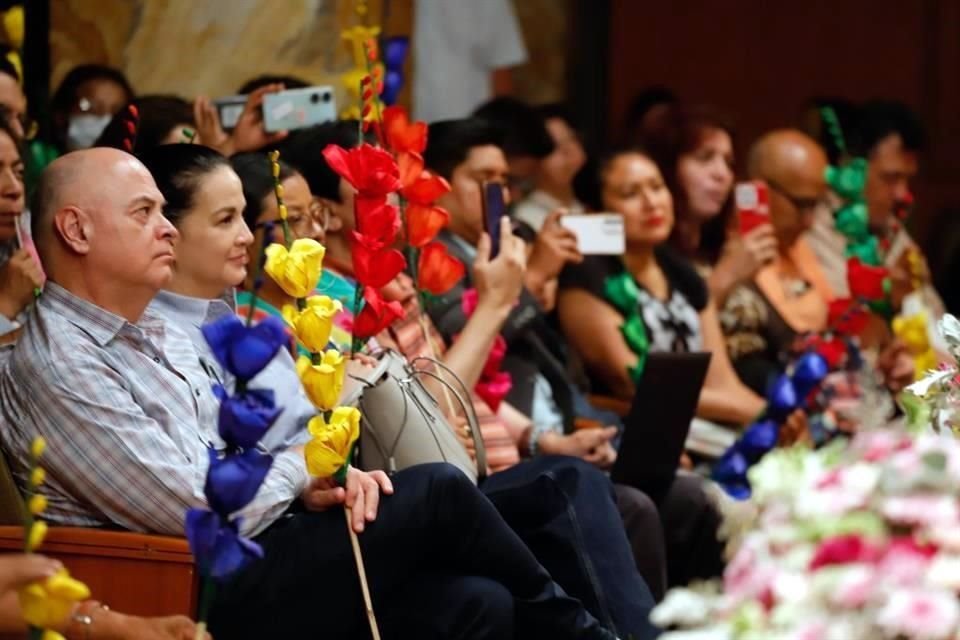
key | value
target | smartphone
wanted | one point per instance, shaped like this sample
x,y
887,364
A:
x,y
229,109
752,200
598,234
494,208
298,108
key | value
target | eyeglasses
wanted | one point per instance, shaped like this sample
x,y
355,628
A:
x,y
800,203
301,222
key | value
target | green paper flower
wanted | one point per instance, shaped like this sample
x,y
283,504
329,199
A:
x,y
849,180
867,250
852,220
622,292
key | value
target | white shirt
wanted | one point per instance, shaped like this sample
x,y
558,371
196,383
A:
x,y
456,45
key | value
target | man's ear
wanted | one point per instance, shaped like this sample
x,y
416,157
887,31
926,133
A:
x,y
75,228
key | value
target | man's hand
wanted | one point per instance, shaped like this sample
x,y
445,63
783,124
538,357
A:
x,y
897,366
19,277
553,248
361,495
592,445
499,281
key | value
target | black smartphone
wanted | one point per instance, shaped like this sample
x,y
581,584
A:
x,y
494,208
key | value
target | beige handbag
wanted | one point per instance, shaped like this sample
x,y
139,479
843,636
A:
x,y
403,424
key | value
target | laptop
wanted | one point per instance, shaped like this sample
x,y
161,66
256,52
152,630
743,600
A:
x,y
659,420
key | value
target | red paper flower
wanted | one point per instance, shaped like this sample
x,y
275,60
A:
x,y
401,134
833,350
426,189
469,301
424,223
373,172
377,314
438,270
866,281
374,263
497,352
377,220
493,390
847,316
411,166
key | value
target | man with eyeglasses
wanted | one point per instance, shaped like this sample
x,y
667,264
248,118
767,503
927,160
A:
x,y
890,136
793,166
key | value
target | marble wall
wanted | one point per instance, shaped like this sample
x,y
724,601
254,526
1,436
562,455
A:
x,y
211,47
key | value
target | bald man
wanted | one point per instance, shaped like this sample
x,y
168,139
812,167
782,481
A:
x,y
796,287
792,165
128,415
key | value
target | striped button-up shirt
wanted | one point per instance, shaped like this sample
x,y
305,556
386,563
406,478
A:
x,y
128,413
280,376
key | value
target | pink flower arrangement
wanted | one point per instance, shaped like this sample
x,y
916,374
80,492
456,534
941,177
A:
x,y
858,540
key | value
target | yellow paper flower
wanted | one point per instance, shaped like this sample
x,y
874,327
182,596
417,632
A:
x,y
37,476
282,209
37,504
912,330
51,635
297,271
323,382
279,191
332,441
313,325
49,603
38,447
38,531
13,26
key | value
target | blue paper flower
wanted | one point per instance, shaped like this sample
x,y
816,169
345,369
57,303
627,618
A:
x,y
785,395
217,545
809,371
760,438
233,480
244,351
245,418
782,398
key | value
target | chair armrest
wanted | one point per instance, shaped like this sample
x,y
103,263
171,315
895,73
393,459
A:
x,y
99,542
618,406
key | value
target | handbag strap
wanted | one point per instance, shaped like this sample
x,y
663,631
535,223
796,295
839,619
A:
x,y
463,398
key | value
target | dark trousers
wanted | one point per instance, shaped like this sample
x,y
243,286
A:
x,y
565,510
675,540
436,524
691,525
644,530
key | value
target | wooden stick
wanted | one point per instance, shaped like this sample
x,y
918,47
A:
x,y
451,411
362,573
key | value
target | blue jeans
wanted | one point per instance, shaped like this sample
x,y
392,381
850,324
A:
x,y
565,510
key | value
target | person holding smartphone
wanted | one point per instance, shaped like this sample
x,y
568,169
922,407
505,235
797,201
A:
x,y
693,147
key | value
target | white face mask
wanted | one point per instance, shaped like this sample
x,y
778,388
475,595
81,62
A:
x,y
84,129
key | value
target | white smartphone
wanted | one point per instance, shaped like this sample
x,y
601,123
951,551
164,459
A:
x,y
598,234
298,108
